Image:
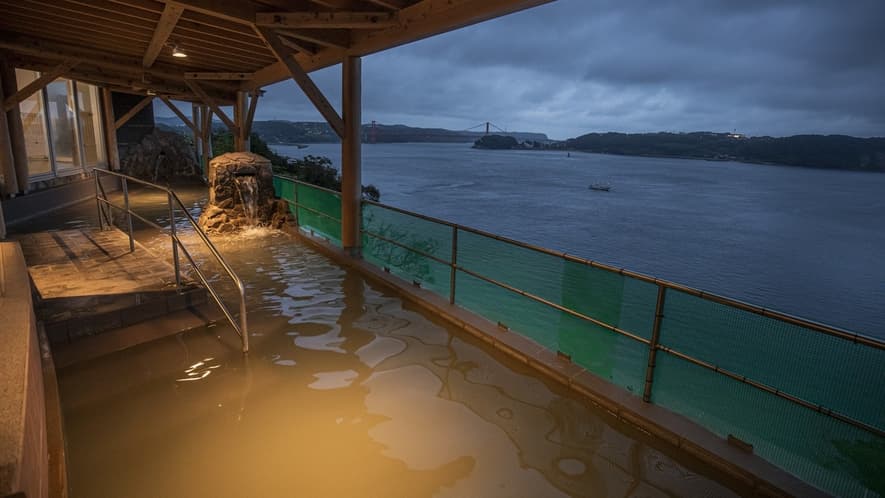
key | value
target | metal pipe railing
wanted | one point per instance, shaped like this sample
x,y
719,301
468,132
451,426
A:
x,y
662,285
241,326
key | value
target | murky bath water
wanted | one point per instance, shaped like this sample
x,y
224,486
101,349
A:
x,y
345,393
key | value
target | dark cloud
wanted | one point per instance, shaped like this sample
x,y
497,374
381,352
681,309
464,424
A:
x,y
573,66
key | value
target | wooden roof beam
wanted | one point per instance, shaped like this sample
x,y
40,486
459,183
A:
x,y
242,12
218,76
190,124
332,38
301,77
167,22
391,4
116,66
206,99
298,46
354,5
325,20
119,83
38,84
132,112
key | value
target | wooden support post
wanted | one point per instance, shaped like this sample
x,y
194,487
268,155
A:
x,y
240,119
16,128
110,131
351,168
7,160
2,225
250,116
206,120
198,132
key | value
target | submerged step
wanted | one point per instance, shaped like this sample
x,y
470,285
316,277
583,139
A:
x,y
88,348
67,320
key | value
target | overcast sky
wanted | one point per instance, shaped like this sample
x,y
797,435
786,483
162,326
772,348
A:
x,y
762,67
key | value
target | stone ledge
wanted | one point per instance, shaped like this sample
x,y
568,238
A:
x,y
23,450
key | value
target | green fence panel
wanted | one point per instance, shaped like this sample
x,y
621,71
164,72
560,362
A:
x,y
407,264
419,236
284,188
525,316
318,210
823,451
414,232
838,374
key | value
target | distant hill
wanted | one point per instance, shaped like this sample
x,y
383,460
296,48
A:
x,y
280,132
815,151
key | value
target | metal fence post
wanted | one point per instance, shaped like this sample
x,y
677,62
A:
x,y
653,345
97,200
128,215
454,264
174,242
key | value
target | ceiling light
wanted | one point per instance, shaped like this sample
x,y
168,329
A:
x,y
176,52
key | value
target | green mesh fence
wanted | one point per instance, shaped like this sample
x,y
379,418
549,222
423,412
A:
x,y
402,243
599,294
840,375
316,209
832,372
822,450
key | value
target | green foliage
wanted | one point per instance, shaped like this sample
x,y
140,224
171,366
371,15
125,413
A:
x,y
316,170
496,142
223,142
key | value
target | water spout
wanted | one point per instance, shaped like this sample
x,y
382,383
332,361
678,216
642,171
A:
x,y
248,189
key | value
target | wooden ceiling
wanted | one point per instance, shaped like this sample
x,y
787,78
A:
x,y
127,44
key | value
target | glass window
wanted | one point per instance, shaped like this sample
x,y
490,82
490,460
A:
x,y
90,124
62,129
34,124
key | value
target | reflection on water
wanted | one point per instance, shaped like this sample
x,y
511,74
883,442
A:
x,y
346,393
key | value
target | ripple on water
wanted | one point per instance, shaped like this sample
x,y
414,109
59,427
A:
x,y
333,380
571,467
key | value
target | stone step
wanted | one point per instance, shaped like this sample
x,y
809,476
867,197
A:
x,y
89,348
70,319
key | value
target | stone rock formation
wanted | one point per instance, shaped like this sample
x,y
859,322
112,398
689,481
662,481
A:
x,y
241,194
161,156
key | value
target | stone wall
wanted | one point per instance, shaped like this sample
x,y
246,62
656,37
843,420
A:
x,y
241,194
161,156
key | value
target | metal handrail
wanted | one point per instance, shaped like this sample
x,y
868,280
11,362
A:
x,y
240,327
708,296
662,285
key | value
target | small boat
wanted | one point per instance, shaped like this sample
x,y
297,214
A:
x,y
601,187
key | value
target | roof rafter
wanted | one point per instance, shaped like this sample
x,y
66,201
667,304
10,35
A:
x,y
341,20
333,38
38,84
206,99
301,77
167,22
